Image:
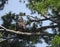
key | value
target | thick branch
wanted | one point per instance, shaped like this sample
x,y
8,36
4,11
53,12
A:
x,y
27,33
20,33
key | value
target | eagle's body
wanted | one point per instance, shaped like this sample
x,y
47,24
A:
x,y
20,25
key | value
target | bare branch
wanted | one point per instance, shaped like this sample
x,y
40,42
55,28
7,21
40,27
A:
x,y
26,33
39,20
52,26
50,18
47,17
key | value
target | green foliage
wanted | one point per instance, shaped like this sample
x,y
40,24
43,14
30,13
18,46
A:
x,y
13,27
37,5
7,19
56,41
0,34
43,5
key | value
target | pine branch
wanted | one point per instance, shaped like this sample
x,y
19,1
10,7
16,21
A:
x,y
27,33
53,19
52,26
50,18
4,40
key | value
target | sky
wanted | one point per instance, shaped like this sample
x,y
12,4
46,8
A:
x,y
15,7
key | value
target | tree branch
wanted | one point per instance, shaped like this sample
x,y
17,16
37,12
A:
x,y
54,19
39,20
50,18
26,33
4,40
52,26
